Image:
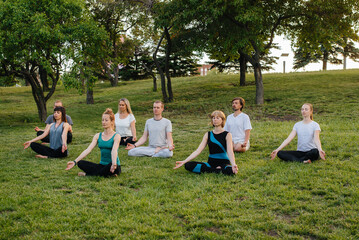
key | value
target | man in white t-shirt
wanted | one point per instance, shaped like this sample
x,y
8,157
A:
x,y
158,131
239,125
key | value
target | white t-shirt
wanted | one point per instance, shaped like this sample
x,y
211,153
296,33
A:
x,y
157,131
123,126
305,134
237,126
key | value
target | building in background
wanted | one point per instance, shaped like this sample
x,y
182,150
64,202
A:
x,y
204,69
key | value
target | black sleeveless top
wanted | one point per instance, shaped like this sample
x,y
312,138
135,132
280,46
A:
x,y
217,145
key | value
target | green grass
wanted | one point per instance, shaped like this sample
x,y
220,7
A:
x,y
150,200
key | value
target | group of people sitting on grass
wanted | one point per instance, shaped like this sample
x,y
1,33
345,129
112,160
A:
x,y
226,138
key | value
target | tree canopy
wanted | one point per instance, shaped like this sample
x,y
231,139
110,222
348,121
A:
x,y
36,38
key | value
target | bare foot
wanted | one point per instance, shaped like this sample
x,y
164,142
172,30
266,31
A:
x,y
41,156
81,174
44,143
307,161
157,149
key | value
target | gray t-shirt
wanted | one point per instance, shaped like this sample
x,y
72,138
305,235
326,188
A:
x,y
305,134
50,119
157,131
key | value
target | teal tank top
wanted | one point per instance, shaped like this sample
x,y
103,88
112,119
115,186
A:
x,y
56,135
106,148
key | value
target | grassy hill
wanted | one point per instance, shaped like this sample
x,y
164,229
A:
x,y
150,200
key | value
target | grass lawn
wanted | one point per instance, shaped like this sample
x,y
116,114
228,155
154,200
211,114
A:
x,y
150,200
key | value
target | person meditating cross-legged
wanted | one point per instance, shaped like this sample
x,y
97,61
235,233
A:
x,y
221,157
108,141
58,137
125,122
239,125
50,119
158,131
309,147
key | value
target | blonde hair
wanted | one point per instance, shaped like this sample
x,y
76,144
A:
x,y
219,114
128,106
311,109
162,104
109,112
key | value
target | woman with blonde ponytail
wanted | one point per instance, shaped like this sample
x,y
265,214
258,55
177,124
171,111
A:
x,y
108,141
309,147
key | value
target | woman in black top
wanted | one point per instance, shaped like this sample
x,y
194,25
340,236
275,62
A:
x,y
221,157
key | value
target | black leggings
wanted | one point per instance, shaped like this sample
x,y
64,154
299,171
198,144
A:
x,y
210,167
124,141
47,138
94,169
47,151
298,156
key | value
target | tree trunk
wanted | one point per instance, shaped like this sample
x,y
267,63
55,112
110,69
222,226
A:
x,y
243,70
38,95
107,70
325,60
167,63
41,107
160,71
43,79
154,82
149,70
344,60
114,82
259,83
89,97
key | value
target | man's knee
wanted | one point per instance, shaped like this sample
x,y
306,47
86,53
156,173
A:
x,y
240,149
132,152
237,147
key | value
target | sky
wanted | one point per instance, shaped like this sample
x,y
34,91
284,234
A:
x,y
285,47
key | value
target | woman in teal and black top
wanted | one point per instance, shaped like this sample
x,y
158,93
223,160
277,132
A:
x,y
221,156
108,142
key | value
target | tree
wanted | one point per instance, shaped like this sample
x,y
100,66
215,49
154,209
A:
x,y
248,27
239,63
117,18
314,39
349,50
177,40
35,39
242,28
